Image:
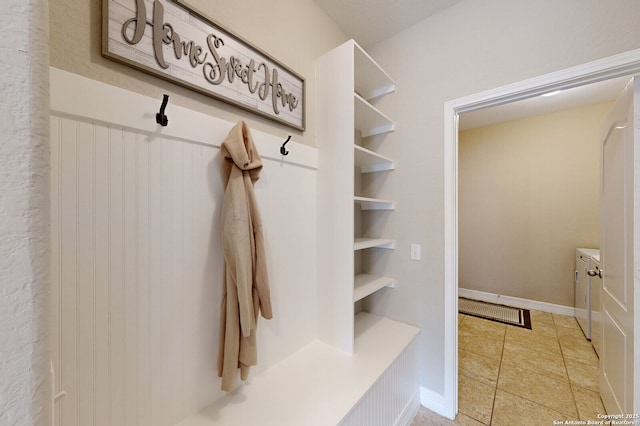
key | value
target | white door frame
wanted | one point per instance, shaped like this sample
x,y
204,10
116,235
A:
x,y
615,66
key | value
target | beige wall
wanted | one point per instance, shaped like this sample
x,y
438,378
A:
x,y
468,48
296,32
528,196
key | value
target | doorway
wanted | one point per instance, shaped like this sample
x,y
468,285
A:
x,y
615,66
528,190
528,179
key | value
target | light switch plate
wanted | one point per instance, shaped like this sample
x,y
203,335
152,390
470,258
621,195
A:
x,y
416,252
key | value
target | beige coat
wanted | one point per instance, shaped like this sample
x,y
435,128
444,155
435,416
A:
x,y
246,280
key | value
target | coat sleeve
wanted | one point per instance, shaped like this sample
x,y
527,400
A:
x,y
261,282
236,245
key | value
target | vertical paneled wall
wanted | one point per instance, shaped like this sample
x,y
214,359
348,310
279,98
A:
x,y
137,265
394,398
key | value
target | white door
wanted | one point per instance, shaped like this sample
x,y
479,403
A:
x,y
619,142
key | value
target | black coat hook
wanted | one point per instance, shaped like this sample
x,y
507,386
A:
x,y
283,151
162,119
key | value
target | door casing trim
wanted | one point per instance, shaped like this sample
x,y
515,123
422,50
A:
x,y
626,63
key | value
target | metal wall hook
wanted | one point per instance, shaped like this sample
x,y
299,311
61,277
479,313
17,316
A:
x,y
162,119
283,151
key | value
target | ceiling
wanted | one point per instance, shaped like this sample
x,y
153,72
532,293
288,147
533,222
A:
x,y
370,21
590,94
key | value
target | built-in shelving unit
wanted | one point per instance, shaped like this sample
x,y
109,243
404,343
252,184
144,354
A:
x,y
368,120
379,385
369,161
366,243
350,236
371,80
366,284
367,203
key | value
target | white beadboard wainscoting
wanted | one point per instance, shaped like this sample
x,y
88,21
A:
x,y
136,258
137,276
395,397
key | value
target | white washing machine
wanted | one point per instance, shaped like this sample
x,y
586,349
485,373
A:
x,y
596,306
583,288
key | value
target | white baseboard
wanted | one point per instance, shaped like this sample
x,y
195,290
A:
x,y
436,403
410,409
517,302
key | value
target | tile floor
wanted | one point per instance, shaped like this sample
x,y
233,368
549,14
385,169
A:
x,y
514,376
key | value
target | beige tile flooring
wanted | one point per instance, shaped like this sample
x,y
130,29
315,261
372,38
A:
x,y
513,376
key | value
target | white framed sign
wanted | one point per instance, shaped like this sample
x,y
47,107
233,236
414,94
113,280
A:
x,y
172,41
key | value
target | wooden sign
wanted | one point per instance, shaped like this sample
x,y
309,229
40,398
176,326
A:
x,y
179,44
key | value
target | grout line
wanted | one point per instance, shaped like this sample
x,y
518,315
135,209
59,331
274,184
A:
x,y
564,362
534,402
571,385
564,359
495,391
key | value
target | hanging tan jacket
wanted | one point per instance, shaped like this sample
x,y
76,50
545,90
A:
x,y
246,280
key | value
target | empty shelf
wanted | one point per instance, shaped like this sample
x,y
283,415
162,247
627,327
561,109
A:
x,y
369,120
374,203
371,81
374,334
366,284
365,243
370,161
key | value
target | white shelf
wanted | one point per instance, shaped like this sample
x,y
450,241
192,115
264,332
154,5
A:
x,y
346,79
367,284
370,161
365,243
267,398
369,120
374,203
379,335
371,81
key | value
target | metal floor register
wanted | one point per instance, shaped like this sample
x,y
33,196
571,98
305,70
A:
x,y
499,313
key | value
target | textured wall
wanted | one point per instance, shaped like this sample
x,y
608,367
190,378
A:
x,y
529,195
24,267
